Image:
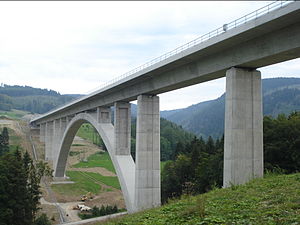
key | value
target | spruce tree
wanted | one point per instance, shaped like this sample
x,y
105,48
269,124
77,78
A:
x,y
5,136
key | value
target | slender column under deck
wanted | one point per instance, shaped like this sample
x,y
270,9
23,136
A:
x,y
122,124
63,125
42,132
56,138
48,140
243,148
147,175
103,115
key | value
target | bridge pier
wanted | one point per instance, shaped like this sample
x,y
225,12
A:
x,y
103,114
55,140
147,169
48,140
243,147
122,124
42,132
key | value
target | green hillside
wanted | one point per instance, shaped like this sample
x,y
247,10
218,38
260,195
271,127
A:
x,y
272,200
280,95
34,100
170,135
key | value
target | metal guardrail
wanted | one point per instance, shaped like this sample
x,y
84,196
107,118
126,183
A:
x,y
240,21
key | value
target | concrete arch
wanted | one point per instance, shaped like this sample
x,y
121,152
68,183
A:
x,y
124,164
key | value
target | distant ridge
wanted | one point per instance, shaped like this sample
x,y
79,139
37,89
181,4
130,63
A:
x,y
34,100
280,95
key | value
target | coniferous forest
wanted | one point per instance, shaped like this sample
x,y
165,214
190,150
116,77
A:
x,y
198,165
20,181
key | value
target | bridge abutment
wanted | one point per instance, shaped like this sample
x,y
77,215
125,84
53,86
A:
x,y
147,169
243,147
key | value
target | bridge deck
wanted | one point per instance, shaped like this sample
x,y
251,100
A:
x,y
268,39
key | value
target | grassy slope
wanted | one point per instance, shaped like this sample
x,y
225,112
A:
x,y
13,114
273,200
97,160
81,186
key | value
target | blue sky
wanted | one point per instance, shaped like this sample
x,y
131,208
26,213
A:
x,y
75,47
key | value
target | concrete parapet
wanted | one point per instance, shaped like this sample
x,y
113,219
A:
x,y
243,147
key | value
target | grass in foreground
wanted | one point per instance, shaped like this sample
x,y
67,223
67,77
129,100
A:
x,y
97,160
272,200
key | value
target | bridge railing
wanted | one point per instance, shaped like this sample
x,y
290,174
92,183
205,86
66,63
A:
x,y
238,22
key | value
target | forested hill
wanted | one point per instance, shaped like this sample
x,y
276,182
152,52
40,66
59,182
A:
x,y
34,100
280,95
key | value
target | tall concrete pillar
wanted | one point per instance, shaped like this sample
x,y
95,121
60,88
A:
x,y
243,147
55,140
42,132
48,140
147,173
122,124
103,115
63,125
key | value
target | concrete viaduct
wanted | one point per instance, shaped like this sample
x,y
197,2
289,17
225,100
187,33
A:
x,y
264,37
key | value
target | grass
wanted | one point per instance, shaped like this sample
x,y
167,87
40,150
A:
x,y
272,200
81,186
110,181
84,184
162,164
13,114
97,160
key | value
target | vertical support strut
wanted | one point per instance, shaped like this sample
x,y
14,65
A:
x,y
48,140
122,124
42,132
147,173
103,115
56,137
243,147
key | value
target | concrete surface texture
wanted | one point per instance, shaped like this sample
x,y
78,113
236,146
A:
x,y
243,149
42,132
48,140
122,124
147,173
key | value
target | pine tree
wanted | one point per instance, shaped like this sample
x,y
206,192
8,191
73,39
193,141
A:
x,y
19,188
5,136
4,141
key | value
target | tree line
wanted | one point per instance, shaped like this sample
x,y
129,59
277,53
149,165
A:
x,y
20,186
33,100
198,166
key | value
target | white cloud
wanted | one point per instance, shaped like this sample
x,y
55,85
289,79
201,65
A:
x,y
74,47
